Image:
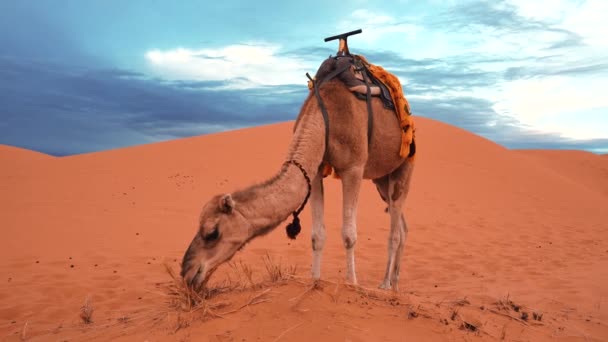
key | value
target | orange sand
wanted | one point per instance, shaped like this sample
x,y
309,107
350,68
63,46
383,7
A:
x,y
485,223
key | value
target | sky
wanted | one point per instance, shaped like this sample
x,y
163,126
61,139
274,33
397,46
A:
x,y
81,76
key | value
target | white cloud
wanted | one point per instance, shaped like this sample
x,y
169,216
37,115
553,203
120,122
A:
x,y
586,18
565,105
243,65
545,103
378,28
545,10
589,20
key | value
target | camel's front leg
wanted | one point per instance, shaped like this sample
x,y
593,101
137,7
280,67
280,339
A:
x,y
351,184
318,226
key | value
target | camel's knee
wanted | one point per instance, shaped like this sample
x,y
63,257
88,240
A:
x,y
318,239
397,235
395,240
349,237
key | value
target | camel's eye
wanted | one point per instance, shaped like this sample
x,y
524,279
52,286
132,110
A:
x,y
212,235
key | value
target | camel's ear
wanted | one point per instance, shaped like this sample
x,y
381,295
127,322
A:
x,y
226,204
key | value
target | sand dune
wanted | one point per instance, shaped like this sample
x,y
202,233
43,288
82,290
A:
x,y
486,224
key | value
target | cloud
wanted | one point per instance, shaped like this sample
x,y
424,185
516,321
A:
x,y
481,94
479,116
241,66
65,110
499,27
376,26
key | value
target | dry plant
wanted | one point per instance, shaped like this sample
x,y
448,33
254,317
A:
x,y
454,315
240,270
276,272
316,285
123,319
469,326
507,305
183,298
182,322
86,311
461,302
256,299
187,301
411,313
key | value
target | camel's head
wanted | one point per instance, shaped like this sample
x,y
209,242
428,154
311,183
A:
x,y
222,232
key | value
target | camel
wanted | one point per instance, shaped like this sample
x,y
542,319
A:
x,y
228,221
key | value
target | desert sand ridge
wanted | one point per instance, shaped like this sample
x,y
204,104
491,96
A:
x,y
485,223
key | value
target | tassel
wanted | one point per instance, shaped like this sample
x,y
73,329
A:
x,y
293,229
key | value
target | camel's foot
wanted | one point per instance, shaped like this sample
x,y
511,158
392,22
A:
x,y
351,279
386,285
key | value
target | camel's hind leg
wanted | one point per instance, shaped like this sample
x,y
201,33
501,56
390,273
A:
x,y
318,226
351,184
393,190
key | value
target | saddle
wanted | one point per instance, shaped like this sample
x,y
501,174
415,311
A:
x,y
356,76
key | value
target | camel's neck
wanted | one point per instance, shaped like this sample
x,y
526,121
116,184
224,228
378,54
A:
x,y
268,204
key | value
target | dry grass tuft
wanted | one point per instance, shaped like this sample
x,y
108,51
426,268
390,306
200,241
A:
x,y
411,313
86,311
256,299
182,322
315,286
507,304
243,273
187,301
275,270
469,326
183,298
462,302
464,323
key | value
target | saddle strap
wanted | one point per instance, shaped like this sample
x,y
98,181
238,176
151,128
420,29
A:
x,y
334,73
370,113
316,84
370,117
324,112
